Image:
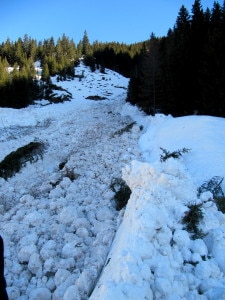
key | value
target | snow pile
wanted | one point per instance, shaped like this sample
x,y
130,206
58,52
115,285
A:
x,y
63,237
153,256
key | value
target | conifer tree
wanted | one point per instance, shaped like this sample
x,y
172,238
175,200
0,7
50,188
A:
x,y
45,72
85,44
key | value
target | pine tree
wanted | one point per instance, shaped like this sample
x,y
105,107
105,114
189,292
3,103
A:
x,y
85,44
45,72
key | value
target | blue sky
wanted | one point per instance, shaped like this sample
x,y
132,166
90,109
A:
x,y
127,21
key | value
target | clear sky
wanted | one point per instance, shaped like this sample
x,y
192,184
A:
x,y
127,21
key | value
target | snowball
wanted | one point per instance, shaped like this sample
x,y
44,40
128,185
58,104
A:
x,y
108,195
207,269
67,215
65,183
82,232
81,222
163,269
196,258
41,293
206,196
34,219
16,268
199,247
104,213
67,263
71,293
48,249
61,289
35,264
163,286
164,236
26,199
181,238
50,284
60,276
28,239
13,292
25,253
49,265
85,282
215,241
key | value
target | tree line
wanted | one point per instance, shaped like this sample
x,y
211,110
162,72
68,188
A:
x,y
181,73
184,72
19,87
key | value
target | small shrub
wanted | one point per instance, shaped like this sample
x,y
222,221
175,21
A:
x,y
175,154
53,97
122,192
125,129
213,185
71,174
192,219
13,162
220,203
96,97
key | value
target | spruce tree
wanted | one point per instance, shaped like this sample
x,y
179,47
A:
x,y
45,76
85,44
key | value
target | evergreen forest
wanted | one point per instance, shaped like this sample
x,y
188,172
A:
x,y
180,74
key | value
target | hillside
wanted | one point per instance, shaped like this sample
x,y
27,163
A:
x,y
63,237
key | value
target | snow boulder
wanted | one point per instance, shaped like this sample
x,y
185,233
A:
x,y
67,215
35,264
215,242
48,250
41,293
25,253
61,276
71,293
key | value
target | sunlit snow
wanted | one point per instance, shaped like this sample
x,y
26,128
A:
x,y
64,238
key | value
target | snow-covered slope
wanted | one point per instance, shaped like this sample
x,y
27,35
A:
x,y
65,240
57,232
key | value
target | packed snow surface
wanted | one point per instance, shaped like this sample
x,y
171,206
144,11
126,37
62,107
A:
x,y
64,238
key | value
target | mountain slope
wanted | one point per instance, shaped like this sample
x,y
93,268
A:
x,y
64,238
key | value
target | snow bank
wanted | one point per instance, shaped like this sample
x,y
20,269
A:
x,y
153,256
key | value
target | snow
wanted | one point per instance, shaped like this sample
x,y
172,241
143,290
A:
x,y
64,238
